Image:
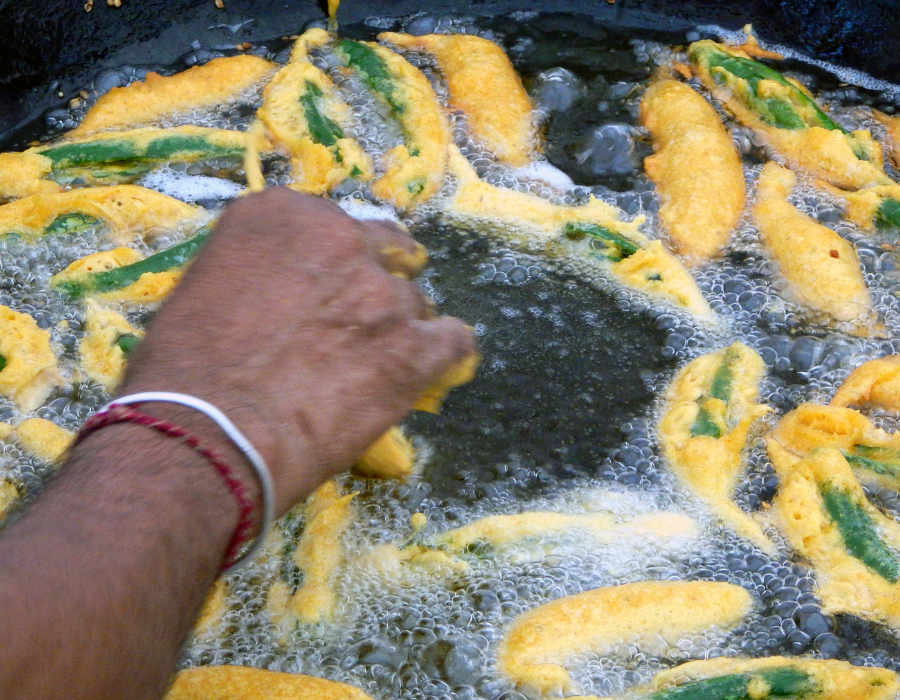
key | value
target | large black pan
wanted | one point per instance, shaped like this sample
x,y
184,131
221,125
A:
x,y
567,375
50,49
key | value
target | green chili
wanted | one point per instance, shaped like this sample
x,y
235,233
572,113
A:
x,y
858,532
322,129
782,683
120,277
2,362
127,342
373,70
879,460
719,388
781,113
888,213
116,149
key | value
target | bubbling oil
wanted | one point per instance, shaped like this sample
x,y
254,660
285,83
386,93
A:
x,y
562,415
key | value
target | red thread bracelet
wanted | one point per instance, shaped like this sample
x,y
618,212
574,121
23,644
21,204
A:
x,y
246,507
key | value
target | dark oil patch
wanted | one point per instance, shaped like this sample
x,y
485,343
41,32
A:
x,y
559,375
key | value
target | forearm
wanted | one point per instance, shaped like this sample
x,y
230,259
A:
x,y
111,566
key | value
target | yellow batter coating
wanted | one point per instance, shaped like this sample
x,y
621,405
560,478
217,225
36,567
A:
x,y
389,457
310,39
832,679
31,371
22,175
710,466
892,124
825,152
527,220
318,168
127,209
414,171
101,357
242,683
653,614
220,81
696,168
484,85
846,584
811,426
44,439
821,268
873,383
503,530
150,288
319,555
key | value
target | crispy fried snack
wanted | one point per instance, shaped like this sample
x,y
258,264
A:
x,y
870,208
127,209
304,115
590,231
113,157
28,368
696,168
821,268
484,85
415,170
107,342
709,409
220,81
773,677
873,453
853,547
319,555
240,683
873,383
787,116
655,614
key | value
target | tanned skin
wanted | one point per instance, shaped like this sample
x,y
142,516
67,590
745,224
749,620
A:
x,y
290,322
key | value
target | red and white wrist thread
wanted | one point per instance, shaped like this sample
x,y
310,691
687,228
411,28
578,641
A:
x,y
120,411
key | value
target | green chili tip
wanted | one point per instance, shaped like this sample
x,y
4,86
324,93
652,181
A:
x,y
612,246
879,460
888,213
127,342
858,533
2,362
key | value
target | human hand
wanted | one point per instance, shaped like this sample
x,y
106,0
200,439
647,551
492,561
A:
x,y
299,323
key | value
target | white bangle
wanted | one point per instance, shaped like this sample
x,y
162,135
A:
x,y
263,475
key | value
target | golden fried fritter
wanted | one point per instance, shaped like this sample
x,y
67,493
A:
x,y
821,268
696,168
709,409
220,81
484,85
853,547
873,383
29,371
654,614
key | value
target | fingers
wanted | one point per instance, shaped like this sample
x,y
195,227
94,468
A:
x,y
394,249
444,343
